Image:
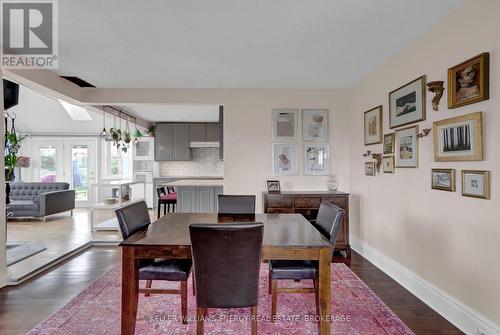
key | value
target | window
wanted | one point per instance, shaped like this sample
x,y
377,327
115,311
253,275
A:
x,y
117,164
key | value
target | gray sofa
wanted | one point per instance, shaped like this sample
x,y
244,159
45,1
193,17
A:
x,y
40,199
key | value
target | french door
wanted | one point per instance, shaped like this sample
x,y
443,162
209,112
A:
x,y
72,161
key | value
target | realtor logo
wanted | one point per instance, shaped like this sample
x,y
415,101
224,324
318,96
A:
x,y
29,34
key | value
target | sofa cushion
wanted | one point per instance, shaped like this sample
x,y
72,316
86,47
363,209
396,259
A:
x,y
23,206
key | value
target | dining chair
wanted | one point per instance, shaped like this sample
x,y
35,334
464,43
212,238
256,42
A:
x,y
226,261
236,204
134,218
166,198
328,222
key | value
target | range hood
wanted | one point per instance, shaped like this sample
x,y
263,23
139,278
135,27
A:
x,y
214,144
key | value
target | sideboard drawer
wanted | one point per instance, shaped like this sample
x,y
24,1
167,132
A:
x,y
280,210
307,202
337,201
280,201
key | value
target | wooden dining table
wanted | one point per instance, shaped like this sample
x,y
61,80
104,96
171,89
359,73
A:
x,y
286,237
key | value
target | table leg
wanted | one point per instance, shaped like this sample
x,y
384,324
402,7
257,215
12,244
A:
x,y
325,256
130,291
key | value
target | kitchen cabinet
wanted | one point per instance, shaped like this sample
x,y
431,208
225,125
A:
x,y
143,150
204,132
212,133
172,142
197,199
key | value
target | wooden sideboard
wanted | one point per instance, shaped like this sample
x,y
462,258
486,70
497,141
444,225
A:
x,y
307,204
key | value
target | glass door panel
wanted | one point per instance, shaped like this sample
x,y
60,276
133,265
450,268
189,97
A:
x,y
80,172
48,158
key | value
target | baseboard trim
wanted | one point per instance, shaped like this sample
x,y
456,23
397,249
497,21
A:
x,y
463,317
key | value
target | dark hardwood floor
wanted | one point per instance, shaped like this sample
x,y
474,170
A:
x,y
24,306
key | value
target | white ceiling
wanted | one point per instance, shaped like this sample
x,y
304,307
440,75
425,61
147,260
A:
x,y
237,43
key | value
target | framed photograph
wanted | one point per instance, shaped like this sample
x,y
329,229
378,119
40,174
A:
x,y
476,184
315,125
316,160
388,164
285,124
469,82
459,138
273,186
407,147
389,144
285,159
443,179
407,103
373,126
370,169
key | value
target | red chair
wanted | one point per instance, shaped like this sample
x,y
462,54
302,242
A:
x,y
166,198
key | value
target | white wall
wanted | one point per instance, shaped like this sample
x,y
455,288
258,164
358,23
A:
x,y
452,242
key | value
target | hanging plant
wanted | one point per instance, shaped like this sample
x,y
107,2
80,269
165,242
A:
x,y
151,131
12,147
116,136
137,133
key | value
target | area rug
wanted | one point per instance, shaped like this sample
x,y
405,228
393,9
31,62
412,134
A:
x,y
19,250
355,310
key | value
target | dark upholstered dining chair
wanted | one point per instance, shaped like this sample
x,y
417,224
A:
x,y
236,204
227,261
328,222
134,218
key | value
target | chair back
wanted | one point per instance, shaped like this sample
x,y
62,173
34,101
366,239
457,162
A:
x,y
161,191
330,219
227,261
236,204
133,218
170,189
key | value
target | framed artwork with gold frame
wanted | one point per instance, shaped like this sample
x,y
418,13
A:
x,y
459,138
388,164
407,147
443,179
373,125
389,144
407,103
476,184
468,82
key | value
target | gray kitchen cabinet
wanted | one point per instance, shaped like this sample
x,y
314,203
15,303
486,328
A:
x,y
221,132
205,199
172,142
186,200
181,149
217,192
212,133
197,199
197,132
163,142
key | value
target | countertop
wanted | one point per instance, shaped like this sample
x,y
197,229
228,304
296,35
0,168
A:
x,y
188,177
196,183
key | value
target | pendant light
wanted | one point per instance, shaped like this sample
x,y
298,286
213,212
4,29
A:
x,y
104,133
135,126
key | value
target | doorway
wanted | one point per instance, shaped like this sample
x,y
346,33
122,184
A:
x,y
67,160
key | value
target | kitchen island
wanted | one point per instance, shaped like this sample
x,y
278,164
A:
x,y
197,195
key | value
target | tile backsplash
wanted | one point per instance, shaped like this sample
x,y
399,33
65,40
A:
x,y
205,162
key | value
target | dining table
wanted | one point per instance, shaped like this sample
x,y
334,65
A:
x,y
286,237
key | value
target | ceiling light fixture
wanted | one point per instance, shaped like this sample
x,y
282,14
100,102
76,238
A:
x,y
104,133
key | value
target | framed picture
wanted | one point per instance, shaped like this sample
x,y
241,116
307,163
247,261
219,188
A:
x,y
476,184
388,164
369,168
407,147
315,125
285,159
459,138
373,126
389,144
469,82
407,103
316,160
443,179
285,124
273,186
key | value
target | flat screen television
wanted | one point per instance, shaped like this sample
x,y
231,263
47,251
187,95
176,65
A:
x,y
10,94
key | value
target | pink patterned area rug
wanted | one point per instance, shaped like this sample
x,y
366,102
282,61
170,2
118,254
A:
x,y
355,310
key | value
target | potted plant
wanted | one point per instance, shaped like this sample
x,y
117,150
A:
x,y
116,136
126,140
12,146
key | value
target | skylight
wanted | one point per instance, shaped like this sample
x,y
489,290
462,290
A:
x,y
75,112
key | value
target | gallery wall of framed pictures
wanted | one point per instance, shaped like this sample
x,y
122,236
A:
x,y
300,145
455,139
